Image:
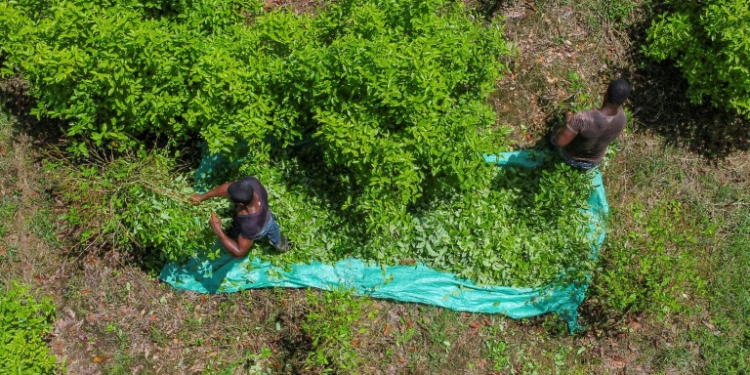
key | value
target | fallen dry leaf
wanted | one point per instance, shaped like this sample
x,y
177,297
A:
x,y
712,328
98,359
387,330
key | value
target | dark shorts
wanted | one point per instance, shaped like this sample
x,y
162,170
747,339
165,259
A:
x,y
271,231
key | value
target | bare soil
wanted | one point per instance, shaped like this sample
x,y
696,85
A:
x,y
117,318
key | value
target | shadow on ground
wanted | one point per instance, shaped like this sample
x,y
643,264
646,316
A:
x,y
16,99
661,106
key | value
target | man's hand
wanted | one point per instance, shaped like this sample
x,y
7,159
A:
x,y
215,221
195,199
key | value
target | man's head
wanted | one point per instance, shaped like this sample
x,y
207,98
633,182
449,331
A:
x,y
241,191
618,92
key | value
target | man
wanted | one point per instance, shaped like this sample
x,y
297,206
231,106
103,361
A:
x,y
583,140
254,219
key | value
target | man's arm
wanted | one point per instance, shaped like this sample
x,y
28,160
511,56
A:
x,y
238,248
564,134
219,191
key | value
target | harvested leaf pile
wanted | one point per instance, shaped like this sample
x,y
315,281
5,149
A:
x,y
525,229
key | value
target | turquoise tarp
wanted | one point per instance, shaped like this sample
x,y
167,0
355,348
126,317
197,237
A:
x,y
413,283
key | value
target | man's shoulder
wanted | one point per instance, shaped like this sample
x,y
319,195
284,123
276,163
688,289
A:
x,y
587,114
581,120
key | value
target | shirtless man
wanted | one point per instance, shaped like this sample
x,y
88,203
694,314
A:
x,y
254,219
583,140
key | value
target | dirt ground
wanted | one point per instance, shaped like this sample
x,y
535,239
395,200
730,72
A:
x,y
115,317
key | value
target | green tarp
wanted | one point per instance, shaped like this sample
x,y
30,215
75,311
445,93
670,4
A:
x,y
407,283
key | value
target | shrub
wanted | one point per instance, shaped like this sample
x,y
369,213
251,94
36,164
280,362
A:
x,y
366,121
24,323
138,202
652,267
392,92
331,322
710,42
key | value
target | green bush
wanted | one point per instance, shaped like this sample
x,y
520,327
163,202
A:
x,y
331,321
710,42
138,202
367,123
392,92
24,323
652,268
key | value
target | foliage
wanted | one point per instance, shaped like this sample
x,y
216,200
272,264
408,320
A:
x,y
392,92
650,268
24,323
710,42
579,99
527,228
138,201
366,121
620,11
331,322
725,340
524,229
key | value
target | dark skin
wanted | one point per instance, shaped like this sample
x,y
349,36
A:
x,y
565,135
238,248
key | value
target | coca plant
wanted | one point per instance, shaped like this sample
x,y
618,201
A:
x,y
391,93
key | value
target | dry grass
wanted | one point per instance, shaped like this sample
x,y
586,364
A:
x,y
116,318
555,40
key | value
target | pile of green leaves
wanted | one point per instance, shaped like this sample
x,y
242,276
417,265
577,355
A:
x,y
141,203
526,228
710,42
392,92
24,323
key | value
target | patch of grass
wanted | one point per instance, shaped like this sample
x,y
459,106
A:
x,y
8,208
250,363
42,224
8,253
158,337
496,351
653,266
121,364
334,323
122,337
724,337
